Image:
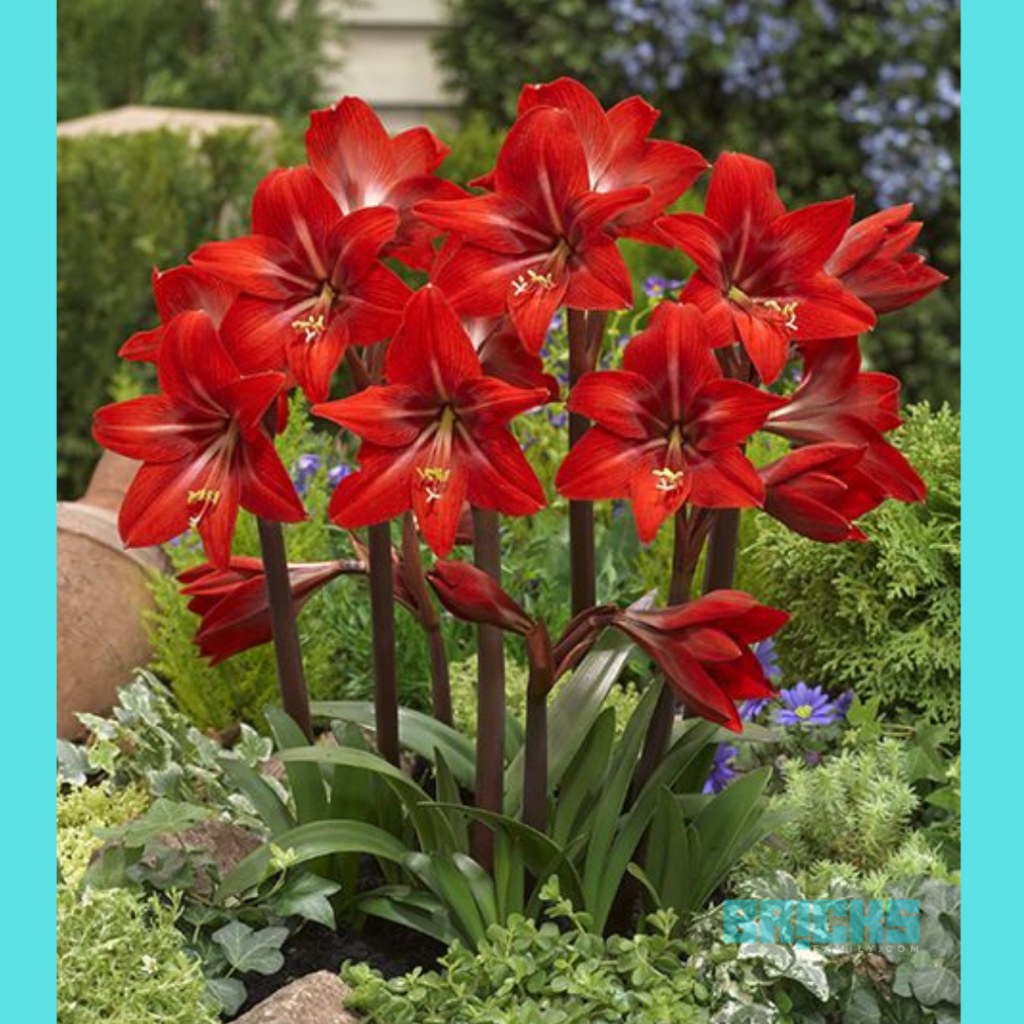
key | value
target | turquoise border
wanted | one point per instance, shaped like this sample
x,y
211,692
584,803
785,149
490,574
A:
x,y
27,604
993,403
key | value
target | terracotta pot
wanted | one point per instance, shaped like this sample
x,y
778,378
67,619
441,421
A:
x,y
101,598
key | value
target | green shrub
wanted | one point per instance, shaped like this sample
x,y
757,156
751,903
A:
x,y
252,55
124,205
83,809
882,617
529,973
849,819
334,626
121,960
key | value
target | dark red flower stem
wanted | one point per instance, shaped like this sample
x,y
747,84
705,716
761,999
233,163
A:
x,y
382,610
490,729
581,513
720,564
535,747
291,677
412,564
659,732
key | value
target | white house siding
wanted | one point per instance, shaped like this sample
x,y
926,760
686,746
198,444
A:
x,y
387,59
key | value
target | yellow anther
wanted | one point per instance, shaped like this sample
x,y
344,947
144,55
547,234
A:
x,y
787,310
668,479
312,326
433,479
523,284
205,497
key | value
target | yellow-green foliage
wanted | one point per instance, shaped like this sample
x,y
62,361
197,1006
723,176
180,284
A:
x,y
82,810
882,617
334,626
848,819
121,960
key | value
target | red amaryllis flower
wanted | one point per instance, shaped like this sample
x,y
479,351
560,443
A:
x,y
760,277
202,444
703,649
473,595
311,281
540,239
234,606
668,426
436,434
820,490
619,154
179,290
837,403
872,261
352,154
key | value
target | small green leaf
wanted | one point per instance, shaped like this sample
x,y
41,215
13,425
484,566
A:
x,y
249,950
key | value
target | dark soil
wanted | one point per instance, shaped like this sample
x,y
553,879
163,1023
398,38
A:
x,y
389,948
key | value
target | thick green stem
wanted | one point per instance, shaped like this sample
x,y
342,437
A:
x,y
382,608
490,729
290,675
581,513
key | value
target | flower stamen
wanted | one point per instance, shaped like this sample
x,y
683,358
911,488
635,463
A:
x,y
312,326
434,480
525,283
669,480
206,499
786,310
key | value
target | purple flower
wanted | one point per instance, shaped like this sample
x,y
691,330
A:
x,y
721,773
305,470
767,658
750,709
655,287
843,702
336,474
806,705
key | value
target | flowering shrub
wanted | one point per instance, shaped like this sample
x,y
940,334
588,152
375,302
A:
x,y
430,380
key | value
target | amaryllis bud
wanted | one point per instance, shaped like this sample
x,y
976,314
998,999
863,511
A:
x,y
471,594
872,261
234,605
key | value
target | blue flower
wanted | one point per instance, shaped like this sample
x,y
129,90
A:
x,y
336,474
655,287
806,705
721,773
305,470
768,658
843,702
750,709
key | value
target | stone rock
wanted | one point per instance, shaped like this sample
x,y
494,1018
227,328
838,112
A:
x,y
195,123
101,598
315,999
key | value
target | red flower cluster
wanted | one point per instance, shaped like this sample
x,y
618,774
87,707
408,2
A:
x,y
438,374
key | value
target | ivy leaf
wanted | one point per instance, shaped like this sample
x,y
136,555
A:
x,y
229,992
306,896
861,1005
249,950
72,763
934,985
165,817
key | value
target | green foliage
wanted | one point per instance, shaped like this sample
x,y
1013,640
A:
x,y
851,818
334,626
530,973
764,983
83,809
125,204
882,617
121,960
259,56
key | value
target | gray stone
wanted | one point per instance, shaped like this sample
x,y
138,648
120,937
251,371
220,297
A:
x,y
315,999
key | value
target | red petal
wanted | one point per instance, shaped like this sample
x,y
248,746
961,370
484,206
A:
x,y
392,416
500,478
532,304
485,403
356,241
194,365
257,264
592,212
766,340
599,466
266,488
312,363
437,508
155,507
249,398
652,504
417,151
477,281
725,413
150,428
143,346
379,491
726,479
618,400
599,278
257,332
183,288
351,153
430,350
827,310
717,309
501,223
743,200
542,163
702,240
